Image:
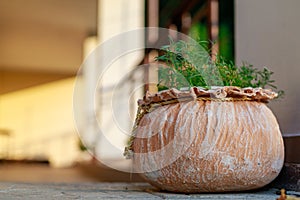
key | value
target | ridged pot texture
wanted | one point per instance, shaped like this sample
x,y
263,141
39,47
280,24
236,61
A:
x,y
209,146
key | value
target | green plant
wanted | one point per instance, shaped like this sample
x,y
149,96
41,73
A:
x,y
189,64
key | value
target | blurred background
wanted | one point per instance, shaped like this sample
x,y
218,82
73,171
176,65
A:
x,y
44,43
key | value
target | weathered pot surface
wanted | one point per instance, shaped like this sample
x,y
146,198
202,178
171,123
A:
x,y
223,139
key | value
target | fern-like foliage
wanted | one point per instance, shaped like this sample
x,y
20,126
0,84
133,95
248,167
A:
x,y
185,69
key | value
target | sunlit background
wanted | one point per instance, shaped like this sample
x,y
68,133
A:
x,y
44,43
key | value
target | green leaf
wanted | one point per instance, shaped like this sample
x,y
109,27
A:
x,y
204,72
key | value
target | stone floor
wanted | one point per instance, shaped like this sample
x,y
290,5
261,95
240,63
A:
x,y
33,191
19,180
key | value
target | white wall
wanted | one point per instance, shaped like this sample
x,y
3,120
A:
x,y
115,121
114,17
267,34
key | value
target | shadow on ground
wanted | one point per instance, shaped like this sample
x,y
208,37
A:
x,y
24,171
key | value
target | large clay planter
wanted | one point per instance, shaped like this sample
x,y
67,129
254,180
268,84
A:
x,y
219,140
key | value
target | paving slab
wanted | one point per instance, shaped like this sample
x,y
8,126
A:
x,y
45,191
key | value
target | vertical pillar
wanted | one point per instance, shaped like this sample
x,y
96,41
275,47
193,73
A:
x,y
213,25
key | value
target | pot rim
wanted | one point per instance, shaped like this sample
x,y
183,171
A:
x,y
215,93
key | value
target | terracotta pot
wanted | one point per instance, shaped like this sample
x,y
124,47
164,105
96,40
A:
x,y
224,139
